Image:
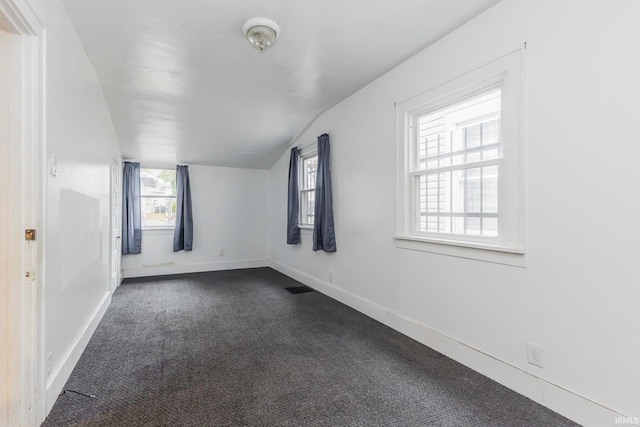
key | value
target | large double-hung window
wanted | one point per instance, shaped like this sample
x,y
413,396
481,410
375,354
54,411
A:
x,y
460,170
307,183
456,168
158,197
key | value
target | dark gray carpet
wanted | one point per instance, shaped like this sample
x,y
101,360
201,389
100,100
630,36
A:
x,y
234,348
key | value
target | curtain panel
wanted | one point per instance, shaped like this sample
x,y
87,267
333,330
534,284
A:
x,y
131,214
293,202
324,237
183,232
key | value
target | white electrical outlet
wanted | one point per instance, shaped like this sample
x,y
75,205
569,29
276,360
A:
x,y
221,252
330,276
535,355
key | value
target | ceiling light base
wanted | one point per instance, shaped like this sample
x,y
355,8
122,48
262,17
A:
x,y
262,33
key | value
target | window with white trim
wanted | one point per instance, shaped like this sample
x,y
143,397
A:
x,y
460,174
307,185
158,197
456,168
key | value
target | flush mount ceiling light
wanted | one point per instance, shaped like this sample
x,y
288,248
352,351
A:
x,y
262,33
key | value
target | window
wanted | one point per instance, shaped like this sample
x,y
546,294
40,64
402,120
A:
x,y
456,168
460,166
307,185
158,197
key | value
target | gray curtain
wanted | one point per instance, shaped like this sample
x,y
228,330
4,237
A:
x,y
324,236
293,202
131,218
183,233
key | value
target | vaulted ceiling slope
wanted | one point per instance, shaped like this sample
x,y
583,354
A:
x,y
182,83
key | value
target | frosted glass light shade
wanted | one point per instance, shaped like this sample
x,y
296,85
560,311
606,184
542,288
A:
x,y
262,33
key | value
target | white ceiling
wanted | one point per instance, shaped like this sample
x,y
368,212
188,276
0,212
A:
x,y
183,84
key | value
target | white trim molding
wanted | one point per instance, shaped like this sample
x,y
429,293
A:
x,y
60,374
167,268
553,396
24,303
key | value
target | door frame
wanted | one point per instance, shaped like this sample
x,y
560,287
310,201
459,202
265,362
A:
x,y
115,157
26,210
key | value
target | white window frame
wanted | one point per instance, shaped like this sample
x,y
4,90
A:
x,y
175,196
504,73
304,155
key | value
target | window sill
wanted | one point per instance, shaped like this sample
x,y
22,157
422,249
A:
x,y
306,229
470,250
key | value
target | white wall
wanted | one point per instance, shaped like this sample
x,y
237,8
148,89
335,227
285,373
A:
x,y
80,134
578,294
229,213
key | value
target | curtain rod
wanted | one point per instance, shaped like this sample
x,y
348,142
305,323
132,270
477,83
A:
x,y
156,165
302,147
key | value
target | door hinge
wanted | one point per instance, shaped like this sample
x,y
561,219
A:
x,y
29,234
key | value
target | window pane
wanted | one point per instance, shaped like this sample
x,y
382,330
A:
x,y
473,136
431,140
458,159
420,196
157,182
307,207
472,225
158,211
473,156
309,167
490,227
461,199
490,132
458,225
433,185
433,196
436,224
490,153
481,141
307,189
472,190
457,191
490,139
490,189
438,192
459,202
459,134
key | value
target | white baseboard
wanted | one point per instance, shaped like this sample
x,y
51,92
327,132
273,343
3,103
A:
x,y
58,378
163,270
552,396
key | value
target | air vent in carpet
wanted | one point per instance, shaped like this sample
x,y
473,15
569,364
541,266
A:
x,y
299,289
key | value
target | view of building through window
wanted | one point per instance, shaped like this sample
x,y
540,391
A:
x,y
456,168
307,185
158,197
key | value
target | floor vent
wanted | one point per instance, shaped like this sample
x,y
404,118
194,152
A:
x,y
299,289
